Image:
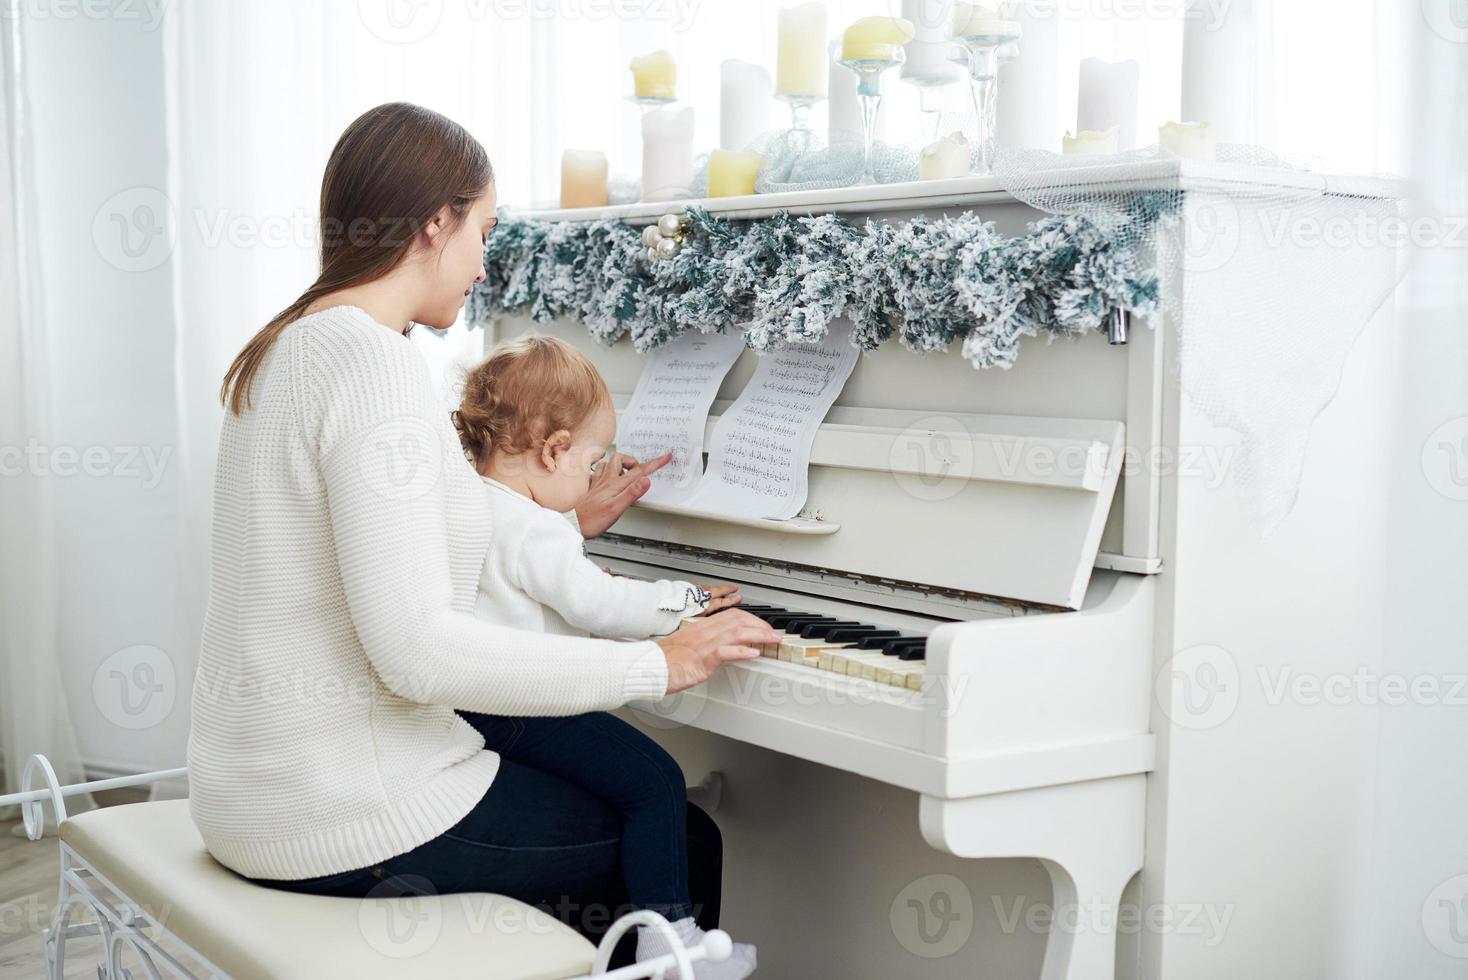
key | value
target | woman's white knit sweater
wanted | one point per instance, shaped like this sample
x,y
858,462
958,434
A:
x,y
349,534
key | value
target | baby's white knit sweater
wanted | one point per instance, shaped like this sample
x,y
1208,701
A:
x,y
537,577
340,635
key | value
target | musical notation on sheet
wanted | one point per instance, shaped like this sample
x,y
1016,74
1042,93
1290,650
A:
x,y
760,452
670,407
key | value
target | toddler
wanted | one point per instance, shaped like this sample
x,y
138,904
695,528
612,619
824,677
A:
x,y
537,421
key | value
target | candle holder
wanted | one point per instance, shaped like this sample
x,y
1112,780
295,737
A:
x,y
930,103
650,103
800,107
869,91
985,51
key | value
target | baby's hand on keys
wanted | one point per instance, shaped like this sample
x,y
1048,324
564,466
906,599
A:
x,y
720,597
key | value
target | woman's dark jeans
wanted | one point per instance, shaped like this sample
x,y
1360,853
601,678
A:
x,y
587,819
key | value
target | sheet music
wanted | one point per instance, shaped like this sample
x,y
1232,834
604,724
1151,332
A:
x,y
670,407
760,453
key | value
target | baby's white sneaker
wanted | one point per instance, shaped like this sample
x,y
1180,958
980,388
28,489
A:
x,y
740,964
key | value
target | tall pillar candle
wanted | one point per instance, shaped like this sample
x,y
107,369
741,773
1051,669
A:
x,y
744,103
583,179
1027,115
800,67
1108,97
1223,47
667,154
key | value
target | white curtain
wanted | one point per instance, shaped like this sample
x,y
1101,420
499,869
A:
x,y
34,715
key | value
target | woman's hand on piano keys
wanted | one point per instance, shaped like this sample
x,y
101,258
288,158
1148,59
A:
x,y
613,489
700,648
720,597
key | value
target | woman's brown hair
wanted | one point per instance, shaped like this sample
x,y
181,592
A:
x,y
391,171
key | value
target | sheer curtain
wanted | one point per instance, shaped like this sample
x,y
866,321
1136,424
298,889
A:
x,y
34,715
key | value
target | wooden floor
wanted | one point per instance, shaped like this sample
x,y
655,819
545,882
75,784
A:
x,y
28,874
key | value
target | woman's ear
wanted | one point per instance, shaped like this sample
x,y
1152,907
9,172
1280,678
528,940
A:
x,y
438,224
554,448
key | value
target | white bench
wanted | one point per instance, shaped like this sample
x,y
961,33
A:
x,y
153,890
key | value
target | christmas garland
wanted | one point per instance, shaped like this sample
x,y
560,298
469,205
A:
x,y
930,282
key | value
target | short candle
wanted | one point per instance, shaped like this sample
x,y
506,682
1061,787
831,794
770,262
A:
x,y
732,173
876,39
948,157
655,76
583,179
1194,140
1090,142
971,19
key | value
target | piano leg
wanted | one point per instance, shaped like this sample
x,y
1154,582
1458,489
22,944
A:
x,y
1087,835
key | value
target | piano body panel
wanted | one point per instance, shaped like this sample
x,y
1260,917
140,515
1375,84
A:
x,y
1043,680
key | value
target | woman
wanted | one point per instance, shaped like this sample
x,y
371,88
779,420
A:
x,y
326,755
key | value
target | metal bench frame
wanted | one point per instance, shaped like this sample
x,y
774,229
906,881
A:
x,y
125,926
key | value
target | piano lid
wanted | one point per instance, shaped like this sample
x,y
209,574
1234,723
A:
x,y
1003,506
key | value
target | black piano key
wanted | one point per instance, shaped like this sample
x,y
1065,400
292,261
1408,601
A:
x,y
819,631
914,653
879,639
852,634
896,647
764,612
778,620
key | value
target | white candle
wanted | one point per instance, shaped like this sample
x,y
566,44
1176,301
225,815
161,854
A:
x,y
980,18
948,157
654,76
928,61
1219,46
667,154
1194,140
744,103
800,67
583,179
1108,97
1090,142
1027,115
844,109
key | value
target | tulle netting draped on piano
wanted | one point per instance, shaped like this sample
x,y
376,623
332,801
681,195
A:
x,y
1270,322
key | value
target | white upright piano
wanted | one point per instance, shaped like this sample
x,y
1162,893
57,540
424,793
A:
x,y
986,515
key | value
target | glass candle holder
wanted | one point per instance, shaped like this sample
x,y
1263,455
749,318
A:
x,y
800,107
651,103
869,90
985,51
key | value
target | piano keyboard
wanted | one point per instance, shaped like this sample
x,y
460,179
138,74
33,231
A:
x,y
842,646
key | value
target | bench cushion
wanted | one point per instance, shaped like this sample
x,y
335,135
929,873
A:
x,y
154,855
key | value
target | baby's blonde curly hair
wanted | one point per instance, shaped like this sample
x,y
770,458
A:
x,y
523,392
